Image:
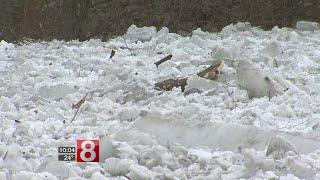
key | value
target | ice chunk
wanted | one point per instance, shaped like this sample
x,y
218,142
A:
x,y
128,114
300,169
253,162
243,26
162,36
192,91
117,167
12,159
140,34
307,26
255,81
6,105
204,34
134,92
221,53
272,49
224,136
56,91
32,176
107,148
98,176
57,168
196,82
135,137
139,173
3,175
278,146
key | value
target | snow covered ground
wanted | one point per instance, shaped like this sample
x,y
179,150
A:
x,y
219,133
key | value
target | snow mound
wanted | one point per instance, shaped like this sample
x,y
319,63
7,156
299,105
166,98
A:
x,y
251,78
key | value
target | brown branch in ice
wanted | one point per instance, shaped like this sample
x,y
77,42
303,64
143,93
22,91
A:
x,y
78,105
163,60
213,71
168,84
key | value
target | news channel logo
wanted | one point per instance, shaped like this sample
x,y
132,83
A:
x,y
84,151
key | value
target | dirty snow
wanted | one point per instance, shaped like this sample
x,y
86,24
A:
x,y
215,131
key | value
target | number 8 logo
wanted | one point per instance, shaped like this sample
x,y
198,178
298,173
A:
x,y
87,150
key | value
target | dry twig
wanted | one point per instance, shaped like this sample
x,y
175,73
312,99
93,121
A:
x,y
5,155
78,105
127,47
168,84
213,71
126,177
163,60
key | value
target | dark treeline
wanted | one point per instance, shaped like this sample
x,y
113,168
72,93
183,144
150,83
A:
x,y
84,19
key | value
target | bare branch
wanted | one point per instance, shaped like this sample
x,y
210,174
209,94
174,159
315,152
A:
x,y
168,84
213,71
5,155
78,105
163,60
125,42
